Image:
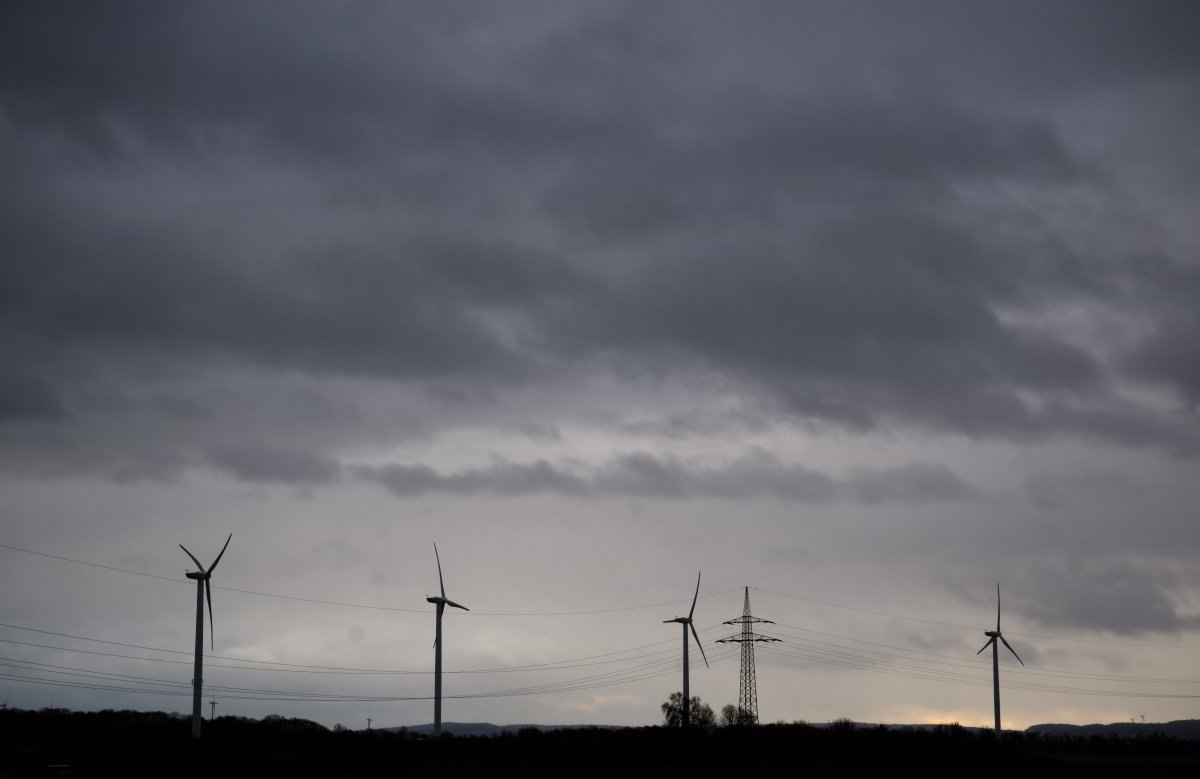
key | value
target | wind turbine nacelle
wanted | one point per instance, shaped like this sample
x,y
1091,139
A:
x,y
195,575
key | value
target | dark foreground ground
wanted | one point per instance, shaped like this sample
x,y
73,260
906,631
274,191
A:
x,y
142,744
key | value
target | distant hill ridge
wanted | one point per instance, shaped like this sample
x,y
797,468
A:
x,y
488,729
1180,728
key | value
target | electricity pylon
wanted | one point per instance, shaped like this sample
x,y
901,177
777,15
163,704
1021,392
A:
x,y
748,685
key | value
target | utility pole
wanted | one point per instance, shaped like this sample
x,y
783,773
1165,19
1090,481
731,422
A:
x,y
748,684
212,709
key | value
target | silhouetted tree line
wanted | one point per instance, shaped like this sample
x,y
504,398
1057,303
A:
x,y
701,715
154,744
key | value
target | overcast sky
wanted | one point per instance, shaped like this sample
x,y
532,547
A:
x,y
867,306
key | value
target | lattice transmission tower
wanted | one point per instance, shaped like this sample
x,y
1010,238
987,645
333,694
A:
x,y
748,685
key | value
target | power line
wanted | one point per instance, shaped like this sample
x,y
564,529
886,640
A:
x,y
845,658
863,611
372,607
590,661
850,658
300,668
108,675
972,627
839,656
956,678
644,671
555,666
651,665
1042,670
617,609
637,673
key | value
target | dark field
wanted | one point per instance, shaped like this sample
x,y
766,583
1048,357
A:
x,y
141,744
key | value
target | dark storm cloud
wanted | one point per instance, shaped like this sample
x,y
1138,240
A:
x,y
855,326
1167,354
1058,490
789,153
534,193
757,475
25,398
912,483
259,463
498,479
1107,594
415,309
323,71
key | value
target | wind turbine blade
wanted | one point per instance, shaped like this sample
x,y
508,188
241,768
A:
x,y
694,597
194,560
457,606
696,636
1019,660
997,607
214,565
208,597
985,646
441,583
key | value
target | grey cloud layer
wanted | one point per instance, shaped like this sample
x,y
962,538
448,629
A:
x,y
755,476
534,194
872,303
1112,594
270,465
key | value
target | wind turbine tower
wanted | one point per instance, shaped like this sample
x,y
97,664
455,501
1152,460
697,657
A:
x,y
687,623
995,645
203,589
442,602
748,685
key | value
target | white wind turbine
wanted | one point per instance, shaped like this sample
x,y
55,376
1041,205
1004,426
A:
x,y
687,623
442,602
992,636
203,589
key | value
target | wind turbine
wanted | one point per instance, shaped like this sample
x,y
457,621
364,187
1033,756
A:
x,y
992,636
687,623
442,602
203,588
